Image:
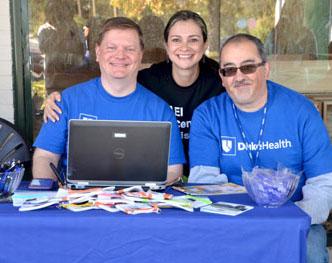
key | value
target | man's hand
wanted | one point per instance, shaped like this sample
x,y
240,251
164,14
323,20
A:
x,y
52,110
174,173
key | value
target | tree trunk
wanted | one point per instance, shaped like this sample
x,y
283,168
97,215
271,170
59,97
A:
x,y
93,4
214,28
79,8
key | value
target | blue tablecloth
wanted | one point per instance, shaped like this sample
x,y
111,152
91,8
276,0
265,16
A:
x,y
57,235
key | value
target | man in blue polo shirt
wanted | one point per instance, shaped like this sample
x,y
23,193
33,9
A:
x,y
261,123
116,95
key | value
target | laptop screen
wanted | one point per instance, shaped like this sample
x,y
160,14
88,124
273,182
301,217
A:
x,y
117,152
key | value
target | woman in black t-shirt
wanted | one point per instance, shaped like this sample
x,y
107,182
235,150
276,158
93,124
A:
x,y
187,77
184,80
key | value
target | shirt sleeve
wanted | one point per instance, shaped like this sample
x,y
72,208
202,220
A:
x,y
317,198
52,136
206,175
204,146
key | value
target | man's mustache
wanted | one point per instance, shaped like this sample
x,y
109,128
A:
x,y
239,83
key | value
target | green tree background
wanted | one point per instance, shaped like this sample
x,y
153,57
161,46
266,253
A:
x,y
222,17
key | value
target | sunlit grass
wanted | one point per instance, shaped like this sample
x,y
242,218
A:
x,y
39,90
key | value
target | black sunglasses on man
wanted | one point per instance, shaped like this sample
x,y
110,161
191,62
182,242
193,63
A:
x,y
245,69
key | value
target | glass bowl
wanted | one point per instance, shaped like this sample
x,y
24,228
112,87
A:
x,y
9,181
270,188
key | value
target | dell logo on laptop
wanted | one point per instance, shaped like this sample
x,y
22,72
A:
x,y
119,153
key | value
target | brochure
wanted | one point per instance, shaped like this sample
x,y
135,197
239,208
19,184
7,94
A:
x,y
177,203
225,208
137,208
212,189
38,203
108,207
21,196
79,207
196,202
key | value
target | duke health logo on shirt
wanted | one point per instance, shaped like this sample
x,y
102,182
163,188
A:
x,y
228,145
84,116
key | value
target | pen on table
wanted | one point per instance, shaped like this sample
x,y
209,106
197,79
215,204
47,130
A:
x,y
57,174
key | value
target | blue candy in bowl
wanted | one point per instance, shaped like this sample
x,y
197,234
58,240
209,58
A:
x,y
270,188
10,179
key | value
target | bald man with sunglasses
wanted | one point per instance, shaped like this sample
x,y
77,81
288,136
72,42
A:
x,y
261,123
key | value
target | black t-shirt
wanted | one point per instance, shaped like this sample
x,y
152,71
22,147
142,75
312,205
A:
x,y
183,100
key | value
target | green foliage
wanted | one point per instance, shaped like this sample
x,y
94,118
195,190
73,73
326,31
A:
x,y
231,12
316,18
38,88
263,27
234,12
36,15
80,21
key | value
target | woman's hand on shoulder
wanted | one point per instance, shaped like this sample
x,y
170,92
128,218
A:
x,y
51,109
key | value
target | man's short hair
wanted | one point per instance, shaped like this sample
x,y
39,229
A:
x,y
241,37
120,23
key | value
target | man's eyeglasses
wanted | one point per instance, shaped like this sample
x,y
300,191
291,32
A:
x,y
245,69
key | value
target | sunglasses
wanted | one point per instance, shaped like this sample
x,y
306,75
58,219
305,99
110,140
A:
x,y
245,69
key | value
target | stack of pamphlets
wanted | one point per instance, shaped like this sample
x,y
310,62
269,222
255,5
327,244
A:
x,y
22,196
131,200
212,189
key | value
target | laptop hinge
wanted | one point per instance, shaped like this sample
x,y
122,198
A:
x,y
78,185
154,186
82,183
150,184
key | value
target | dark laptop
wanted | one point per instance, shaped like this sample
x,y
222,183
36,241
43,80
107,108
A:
x,y
117,153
